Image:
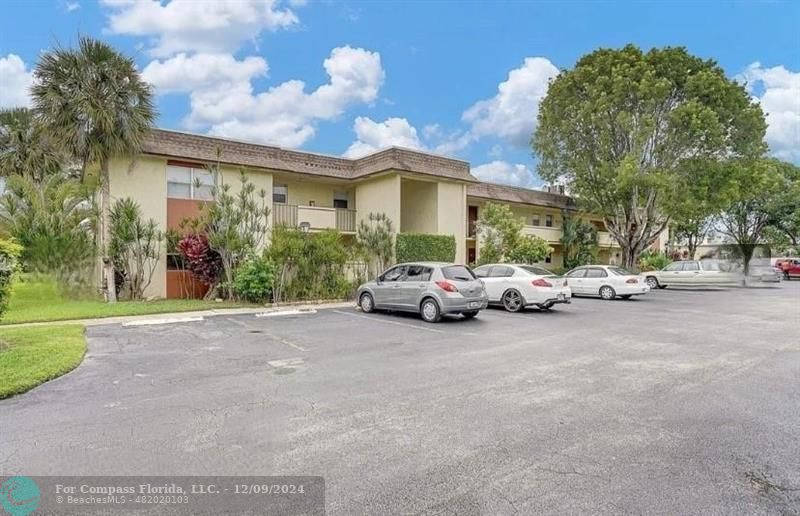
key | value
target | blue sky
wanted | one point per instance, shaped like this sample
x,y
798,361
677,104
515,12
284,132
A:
x,y
458,78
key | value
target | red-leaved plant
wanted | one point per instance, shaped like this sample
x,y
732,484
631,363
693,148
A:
x,y
203,262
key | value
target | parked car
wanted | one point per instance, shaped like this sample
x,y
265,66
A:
x,y
694,272
765,273
606,281
518,286
789,267
431,289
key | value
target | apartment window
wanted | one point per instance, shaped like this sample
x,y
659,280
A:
x,y
535,220
280,194
548,259
340,200
548,221
189,182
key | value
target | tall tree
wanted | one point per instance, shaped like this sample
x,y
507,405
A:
x,y
759,186
24,149
92,101
703,188
785,208
618,127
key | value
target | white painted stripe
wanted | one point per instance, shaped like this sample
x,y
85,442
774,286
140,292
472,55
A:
x,y
171,320
288,362
286,312
384,321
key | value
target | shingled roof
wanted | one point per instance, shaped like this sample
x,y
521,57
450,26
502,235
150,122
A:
x,y
519,195
180,145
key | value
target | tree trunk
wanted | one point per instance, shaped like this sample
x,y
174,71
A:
x,y
105,232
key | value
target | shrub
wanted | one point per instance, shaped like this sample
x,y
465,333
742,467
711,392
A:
x,y
416,247
9,263
529,249
375,235
135,246
254,279
651,260
202,262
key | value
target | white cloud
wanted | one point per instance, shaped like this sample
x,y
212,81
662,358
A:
x,y
511,114
72,6
15,80
198,25
223,102
372,136
779,97
506,173
184,73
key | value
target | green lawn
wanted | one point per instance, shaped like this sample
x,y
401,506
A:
x,y
35,301
30,356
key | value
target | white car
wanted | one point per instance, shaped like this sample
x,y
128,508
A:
x,y
520,286
694,272
606,281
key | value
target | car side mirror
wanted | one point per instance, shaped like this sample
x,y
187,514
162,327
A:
x,y
379,279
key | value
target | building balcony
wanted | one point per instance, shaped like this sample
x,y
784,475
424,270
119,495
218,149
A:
x,y
604,239
318,217
551,234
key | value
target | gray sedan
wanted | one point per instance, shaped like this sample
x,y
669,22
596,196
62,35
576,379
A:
x,y
431,289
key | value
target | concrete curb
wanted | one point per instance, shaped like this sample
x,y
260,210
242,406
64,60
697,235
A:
x,y
197,313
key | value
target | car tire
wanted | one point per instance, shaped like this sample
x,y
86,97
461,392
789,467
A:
x,y
366,303
469,315
429,310
652,282
626,296
512,300
607,293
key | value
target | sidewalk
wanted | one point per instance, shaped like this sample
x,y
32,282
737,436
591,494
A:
x,y
182,315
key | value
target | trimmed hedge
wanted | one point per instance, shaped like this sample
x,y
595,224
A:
x,y
418,247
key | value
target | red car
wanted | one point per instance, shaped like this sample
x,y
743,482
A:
x,y
790,267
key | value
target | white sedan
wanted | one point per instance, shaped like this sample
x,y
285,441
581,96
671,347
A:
x,y
694,272
606,281
519,286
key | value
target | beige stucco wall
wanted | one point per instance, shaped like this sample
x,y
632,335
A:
x,y
302,193
380,195
452,215
146,183
418,201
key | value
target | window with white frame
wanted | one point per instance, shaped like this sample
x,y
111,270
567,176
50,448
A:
x,y
280,194
340,200
189,182
548,221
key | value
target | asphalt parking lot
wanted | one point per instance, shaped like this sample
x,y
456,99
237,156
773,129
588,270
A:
x,y
683,401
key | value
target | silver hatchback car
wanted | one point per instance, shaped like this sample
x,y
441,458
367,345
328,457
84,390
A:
x,y
431,289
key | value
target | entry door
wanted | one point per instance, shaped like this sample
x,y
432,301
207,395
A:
x,y
472,219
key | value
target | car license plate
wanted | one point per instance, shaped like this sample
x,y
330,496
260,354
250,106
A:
x,y
474,304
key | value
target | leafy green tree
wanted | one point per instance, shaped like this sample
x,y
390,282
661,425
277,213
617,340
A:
x,y
784,223
529,249
235,224
24,149
759,186
135,246
578,241
498,232
9,263
618,128
376,235
92,102
54,220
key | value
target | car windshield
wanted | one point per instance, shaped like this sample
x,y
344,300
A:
x,y
539,271
619,271
458,273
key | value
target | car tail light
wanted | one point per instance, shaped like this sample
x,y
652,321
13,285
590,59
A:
x,y
541,283
446,286
632,280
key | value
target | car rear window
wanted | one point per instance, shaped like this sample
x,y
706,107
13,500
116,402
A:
x,y
458,273
539,271
619,271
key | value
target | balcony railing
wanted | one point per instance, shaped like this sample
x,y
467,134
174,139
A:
x,y
318,217
549,233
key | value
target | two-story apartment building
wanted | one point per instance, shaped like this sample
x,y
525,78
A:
x,y
419,192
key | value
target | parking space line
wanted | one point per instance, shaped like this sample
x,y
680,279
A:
x,y
389,322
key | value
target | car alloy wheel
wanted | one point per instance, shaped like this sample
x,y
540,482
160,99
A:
x,y
607,293
366,303
651,282
512,301
430,311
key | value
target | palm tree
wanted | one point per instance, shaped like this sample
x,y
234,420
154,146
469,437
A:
x,y
93,101
24,149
